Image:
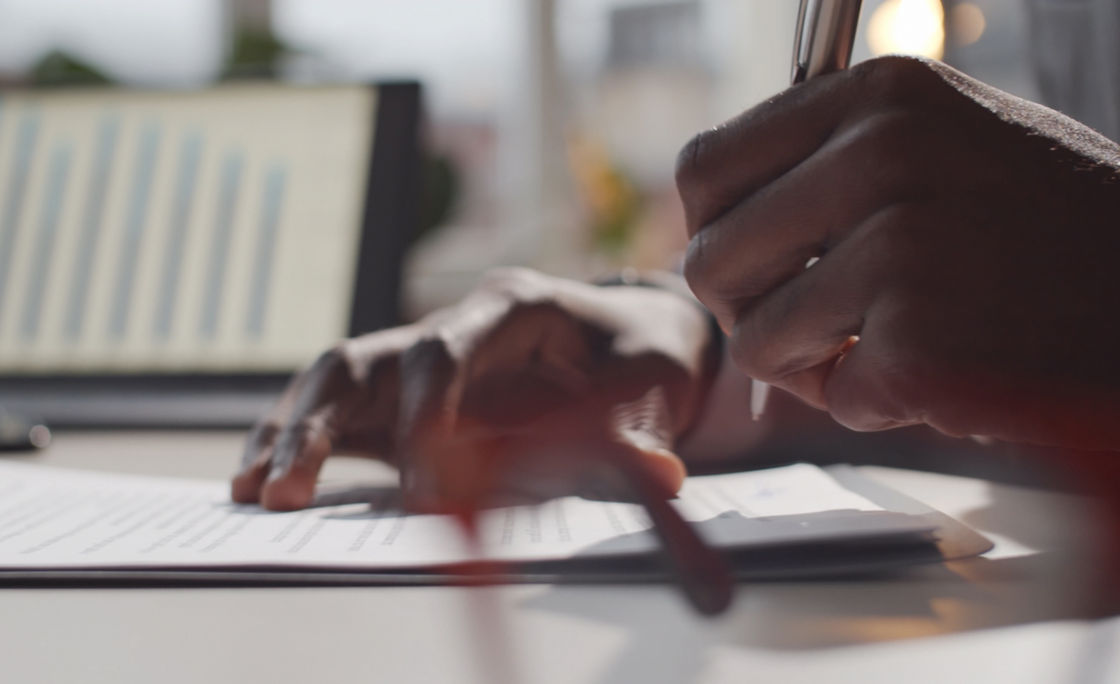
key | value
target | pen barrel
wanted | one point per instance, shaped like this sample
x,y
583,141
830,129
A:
x,y
825,37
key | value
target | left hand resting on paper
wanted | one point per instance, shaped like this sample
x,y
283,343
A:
x,y
515,389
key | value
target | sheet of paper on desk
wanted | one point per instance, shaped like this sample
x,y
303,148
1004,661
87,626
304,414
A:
x,y
66,519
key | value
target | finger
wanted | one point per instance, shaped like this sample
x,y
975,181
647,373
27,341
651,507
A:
x,y
769,236
303,441
718,167
298,456
255,462
868,389
428,406
788,336
645,426
256,457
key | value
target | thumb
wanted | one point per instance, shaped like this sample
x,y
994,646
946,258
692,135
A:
x,y
644,428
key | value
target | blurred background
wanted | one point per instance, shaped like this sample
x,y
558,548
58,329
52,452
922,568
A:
x,y
551,126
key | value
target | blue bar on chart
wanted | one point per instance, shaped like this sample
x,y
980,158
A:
x,y
139,198
92,217
265,254
229,188
20,170
190,150
54,198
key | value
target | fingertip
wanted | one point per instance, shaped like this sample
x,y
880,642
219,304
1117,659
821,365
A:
x,y
244,488
294,470
666,468
256,459
287,494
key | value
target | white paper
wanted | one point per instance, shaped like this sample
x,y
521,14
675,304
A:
x,y
54,518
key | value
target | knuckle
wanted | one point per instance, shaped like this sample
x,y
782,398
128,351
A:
x,y
516,285
507,277
689,166
332,372
703,274
896,78
425,354
718,279
719,272
695,266
331,361
694,178
538,313
702,268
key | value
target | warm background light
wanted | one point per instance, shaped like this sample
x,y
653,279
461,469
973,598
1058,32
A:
x,y
966,23
910,27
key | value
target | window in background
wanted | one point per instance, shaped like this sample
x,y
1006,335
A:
x,y
137,42
577,106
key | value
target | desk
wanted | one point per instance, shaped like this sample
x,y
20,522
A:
x,y
1014,615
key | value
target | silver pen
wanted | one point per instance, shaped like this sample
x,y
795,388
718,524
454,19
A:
x,y
826,33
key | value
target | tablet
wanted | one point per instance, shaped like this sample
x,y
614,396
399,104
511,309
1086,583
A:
x,y
169,256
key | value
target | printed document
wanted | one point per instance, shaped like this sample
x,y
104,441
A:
x,y
54,518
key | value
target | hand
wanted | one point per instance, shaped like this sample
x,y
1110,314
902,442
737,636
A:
x,y
522,387
967,243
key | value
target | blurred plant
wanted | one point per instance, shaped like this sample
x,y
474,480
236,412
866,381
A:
x,y
255,53
613,202
439,192
58,68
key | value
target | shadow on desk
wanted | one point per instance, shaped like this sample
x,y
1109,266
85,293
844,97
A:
x,y
666,643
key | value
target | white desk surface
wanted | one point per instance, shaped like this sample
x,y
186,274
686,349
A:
x,y
1012,616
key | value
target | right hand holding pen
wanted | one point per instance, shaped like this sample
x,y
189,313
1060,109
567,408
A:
x,y
967,244
515,389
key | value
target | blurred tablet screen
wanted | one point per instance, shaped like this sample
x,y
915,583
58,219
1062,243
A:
x,y
175,232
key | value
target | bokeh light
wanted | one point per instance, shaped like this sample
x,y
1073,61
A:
x,y
909,27
966,23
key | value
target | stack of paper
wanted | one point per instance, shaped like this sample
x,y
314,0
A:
x,y
71,523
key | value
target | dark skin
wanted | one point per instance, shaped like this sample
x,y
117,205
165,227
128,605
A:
x,y
523,388
965,281
965,238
